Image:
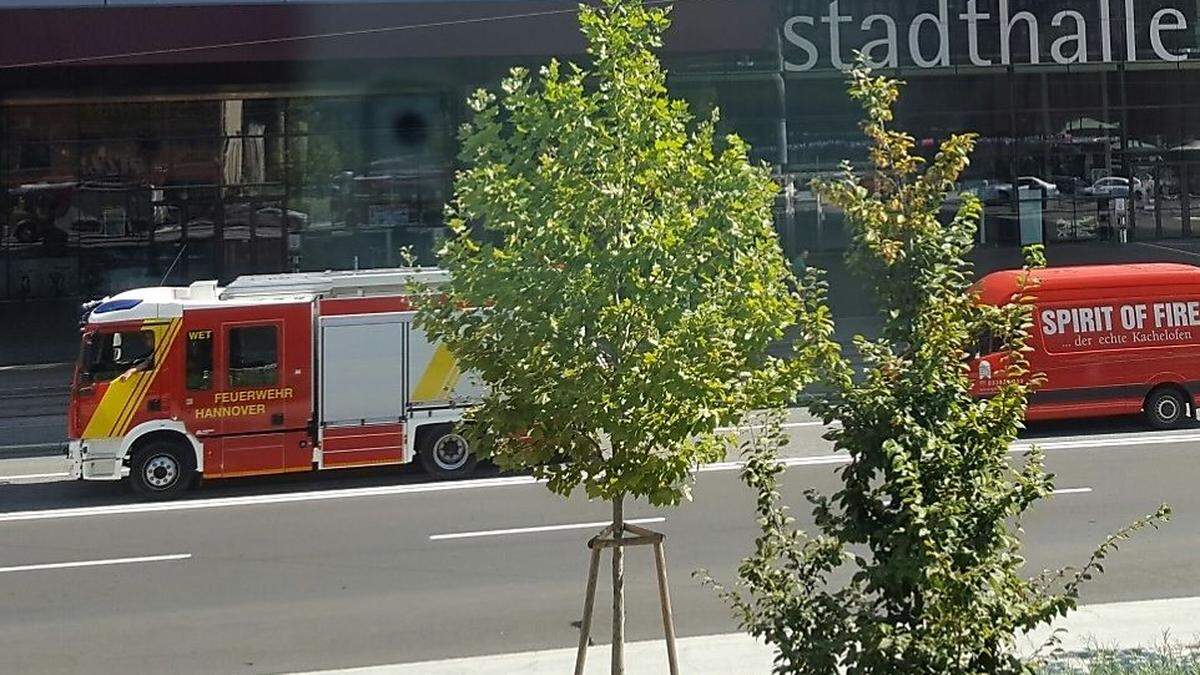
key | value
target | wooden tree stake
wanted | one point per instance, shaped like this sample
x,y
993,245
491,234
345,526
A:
x,y
642,537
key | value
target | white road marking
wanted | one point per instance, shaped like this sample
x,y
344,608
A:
x,y
253,500
34,476
817,460
539,528
1073,442
1155,438
1172,249
96,563
786,425
1014,449
843,459
1049,443
1115,441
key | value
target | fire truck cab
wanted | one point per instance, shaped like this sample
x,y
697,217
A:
x,y
270,374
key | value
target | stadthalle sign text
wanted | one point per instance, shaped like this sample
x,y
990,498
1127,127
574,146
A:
x,y
986,33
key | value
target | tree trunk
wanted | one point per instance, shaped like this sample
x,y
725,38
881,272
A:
x,y
618,587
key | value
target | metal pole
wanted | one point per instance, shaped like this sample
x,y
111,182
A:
x,y
781,127
285,250
218,235
618,577
781,93
1126,162
664,597
253,234
589,605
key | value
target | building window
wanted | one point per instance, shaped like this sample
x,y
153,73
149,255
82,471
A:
x,y
253,356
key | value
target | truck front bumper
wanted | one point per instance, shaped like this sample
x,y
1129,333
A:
x,y
74,463
96,459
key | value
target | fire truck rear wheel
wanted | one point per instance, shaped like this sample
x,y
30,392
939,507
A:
x,y
445,453
1166,408
161,468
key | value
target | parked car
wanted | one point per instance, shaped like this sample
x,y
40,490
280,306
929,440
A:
x,y
236,225
1049,190
1116,187
56,211
1004,191
988,191
1071,185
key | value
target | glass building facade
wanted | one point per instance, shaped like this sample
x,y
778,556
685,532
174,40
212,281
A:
x,y
174,166
105,196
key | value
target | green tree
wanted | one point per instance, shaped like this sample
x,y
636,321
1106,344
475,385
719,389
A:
x,y
616,278
927,519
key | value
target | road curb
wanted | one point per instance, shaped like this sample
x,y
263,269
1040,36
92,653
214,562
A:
x,y
33,450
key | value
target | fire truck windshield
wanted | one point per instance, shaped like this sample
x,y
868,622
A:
x,y
106,356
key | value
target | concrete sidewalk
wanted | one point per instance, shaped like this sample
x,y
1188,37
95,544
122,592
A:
x,y
1125,625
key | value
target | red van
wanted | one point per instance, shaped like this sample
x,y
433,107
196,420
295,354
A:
x,y
1110,339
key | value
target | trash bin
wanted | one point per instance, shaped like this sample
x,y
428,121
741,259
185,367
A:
x,y
1030,216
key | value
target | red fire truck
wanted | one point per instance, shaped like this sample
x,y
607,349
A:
x,y
270,374
1110,340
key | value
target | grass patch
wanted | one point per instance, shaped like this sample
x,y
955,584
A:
x,y
1166,659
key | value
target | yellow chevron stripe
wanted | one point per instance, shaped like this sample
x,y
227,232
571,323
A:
x,y
439,378
141,381
164,337
160,357
112,407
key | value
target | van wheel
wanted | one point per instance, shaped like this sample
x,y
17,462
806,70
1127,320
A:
x,y
1166,409
162,469
445,453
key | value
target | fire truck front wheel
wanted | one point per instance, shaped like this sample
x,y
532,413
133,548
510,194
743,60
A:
x,y
444,453
161,468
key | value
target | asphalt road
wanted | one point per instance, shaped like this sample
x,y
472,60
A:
x,y
33,404
353,569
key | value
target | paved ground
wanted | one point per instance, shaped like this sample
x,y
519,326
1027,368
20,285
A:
x,y
1122,625
354,569
33,407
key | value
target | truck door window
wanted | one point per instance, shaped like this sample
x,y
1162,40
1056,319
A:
x,y
199,360
110,355
253,356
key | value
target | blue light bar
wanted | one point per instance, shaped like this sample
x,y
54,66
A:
x,y
116,306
